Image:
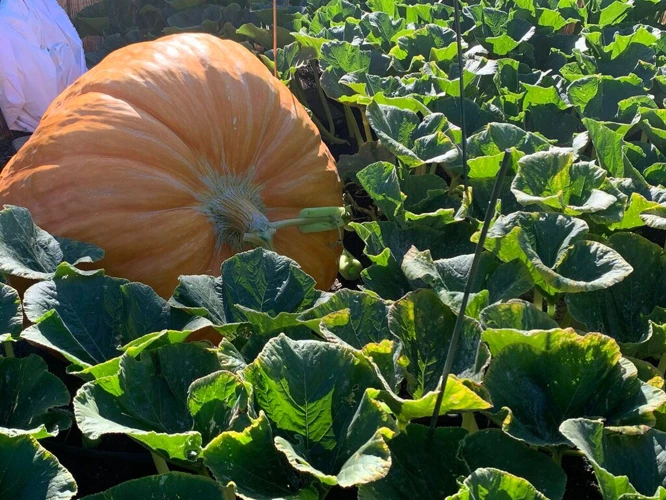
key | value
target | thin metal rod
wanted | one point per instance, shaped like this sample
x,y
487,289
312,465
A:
x,y
275,47
461,64
453,347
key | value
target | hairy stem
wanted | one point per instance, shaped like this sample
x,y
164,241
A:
x,y
353,126
366,126
9,348
662,364
469,422
160,464
557,456
538,299
324,102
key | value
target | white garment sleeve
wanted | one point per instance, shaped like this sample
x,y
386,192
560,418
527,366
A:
x,y
41,55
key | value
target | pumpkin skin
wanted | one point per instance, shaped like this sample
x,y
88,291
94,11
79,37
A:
x,y
166,151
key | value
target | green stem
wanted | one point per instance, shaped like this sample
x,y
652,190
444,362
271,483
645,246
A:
x,y
297,90
469,422
420,170
557,457
160,464
366,127
538,299
433,169
551,310
9,348
353,126
324,103
325,133
333,218
662,364
203,471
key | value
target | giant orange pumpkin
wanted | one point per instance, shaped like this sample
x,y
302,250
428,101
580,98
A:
x,y
168,152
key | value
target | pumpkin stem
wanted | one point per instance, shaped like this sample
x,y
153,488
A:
x,y
309,220
234,205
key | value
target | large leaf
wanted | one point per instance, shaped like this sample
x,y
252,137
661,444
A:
x,y
367,319
11,313
496,449
622,310
414,141
386,244
555,251
432,209
250,460
425,327
169,399
537,380
30,397
257,290
424,465
314,394
516,314
491,484
87,316
169,485
498,137
625,459
30,471
448,278
27,251
597,96
552,181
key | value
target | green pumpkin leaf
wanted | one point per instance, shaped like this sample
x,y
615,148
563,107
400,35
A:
x,y
412,140
258,295
27,251
424,324
250,461
383,27
621,311
386,245
448,278
495,484
496,449
381,182
626,460
367,319
11,313
460,395
87,316
424,465
169,485
30,397
30,471
420,43
552,181
597,96
516,314
542,378
498,137
164,399
314,394
553,248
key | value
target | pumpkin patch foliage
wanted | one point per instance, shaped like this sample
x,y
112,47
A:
x,y
218,363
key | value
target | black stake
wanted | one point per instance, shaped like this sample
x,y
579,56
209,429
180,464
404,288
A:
x,y
461,64
453,347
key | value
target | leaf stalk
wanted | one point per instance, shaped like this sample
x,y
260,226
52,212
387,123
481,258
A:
x,y
9,348
160,464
